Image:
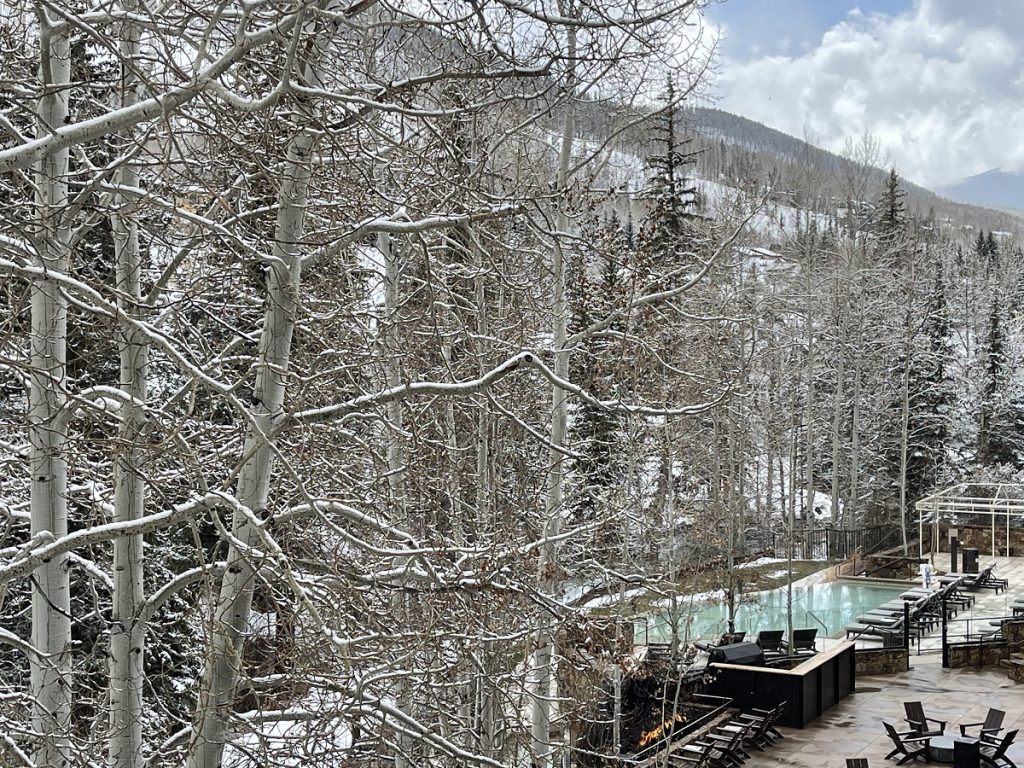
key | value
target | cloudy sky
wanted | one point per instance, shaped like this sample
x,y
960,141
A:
x,y
940,83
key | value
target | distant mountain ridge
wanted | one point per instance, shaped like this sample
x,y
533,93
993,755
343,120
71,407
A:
x,y
1001,208
994,188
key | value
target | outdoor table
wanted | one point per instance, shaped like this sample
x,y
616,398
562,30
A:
x,y
943,749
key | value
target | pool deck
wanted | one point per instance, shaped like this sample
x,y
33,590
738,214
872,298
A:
x,y
986,606
853,728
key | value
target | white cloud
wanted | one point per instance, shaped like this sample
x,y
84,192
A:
x,y
941,87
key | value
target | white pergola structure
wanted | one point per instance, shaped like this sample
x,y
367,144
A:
x,y
994,502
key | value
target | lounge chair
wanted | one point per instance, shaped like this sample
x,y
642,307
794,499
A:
x,y
803,642
919,723
994,753
859,629
906,745
770,640
992,725
988,580
856,762
893,623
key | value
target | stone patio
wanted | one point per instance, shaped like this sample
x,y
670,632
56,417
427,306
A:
x,y
854,727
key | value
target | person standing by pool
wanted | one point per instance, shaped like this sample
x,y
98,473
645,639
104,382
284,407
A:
x,y
926,575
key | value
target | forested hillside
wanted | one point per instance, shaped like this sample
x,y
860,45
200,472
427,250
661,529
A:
x,y
346,350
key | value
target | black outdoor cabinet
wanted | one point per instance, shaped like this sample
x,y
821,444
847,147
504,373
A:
x,y
966,753
815,685
970,560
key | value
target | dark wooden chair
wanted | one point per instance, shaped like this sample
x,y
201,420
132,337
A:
x,y
729,742
697,755
763,732
993,724
856,762
907,746
994,753
919,723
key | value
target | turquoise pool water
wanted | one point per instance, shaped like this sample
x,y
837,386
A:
x,y
833,605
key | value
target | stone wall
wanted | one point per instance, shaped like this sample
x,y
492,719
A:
x,y
990,653
882,661
977,654
979,537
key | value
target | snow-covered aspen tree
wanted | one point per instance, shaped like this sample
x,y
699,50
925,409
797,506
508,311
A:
x,y
127,630
283,274
51,591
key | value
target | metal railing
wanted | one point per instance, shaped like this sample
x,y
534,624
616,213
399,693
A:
x,y
973,631
831,543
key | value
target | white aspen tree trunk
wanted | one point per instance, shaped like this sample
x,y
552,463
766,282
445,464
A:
x,y
904,431
672,571
837,423
231,615
542,750
854,501
127,630
486,715
791,519
768,509
395,447
484,487
839,402
809,415
51,682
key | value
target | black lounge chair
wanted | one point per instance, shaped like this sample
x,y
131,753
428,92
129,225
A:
x,y
994,753
906,745
803,642
770,641
919,723
992,725
856,762
988,580
859,629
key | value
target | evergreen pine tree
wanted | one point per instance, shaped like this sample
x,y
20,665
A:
x,y
594,431
669,227
931,396
1001,428
893,220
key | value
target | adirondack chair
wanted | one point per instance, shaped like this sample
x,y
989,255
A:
x,y
693,755
906,745
992,725
994,754
731,738
763,733
919,723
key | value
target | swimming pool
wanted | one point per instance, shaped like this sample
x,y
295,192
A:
x,y
829,607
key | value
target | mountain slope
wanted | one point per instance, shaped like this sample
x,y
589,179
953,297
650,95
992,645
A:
x,y
994,188
836,175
